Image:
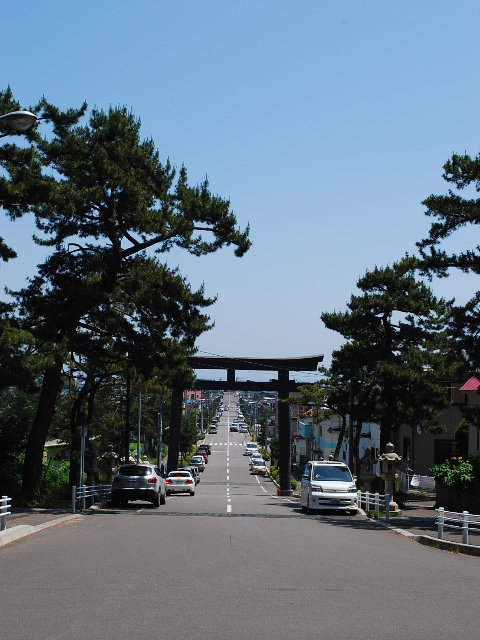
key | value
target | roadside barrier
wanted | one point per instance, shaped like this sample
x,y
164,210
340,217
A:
x,y
459,521
374,502
4,511
93,492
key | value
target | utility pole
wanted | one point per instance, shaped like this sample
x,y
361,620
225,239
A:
x,y
139,425
160,431
350,429
127,420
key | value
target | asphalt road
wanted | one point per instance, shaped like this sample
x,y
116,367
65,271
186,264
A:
x,y
234,561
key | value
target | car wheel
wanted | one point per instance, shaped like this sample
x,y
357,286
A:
x,y
124,503
192,493
309,509
156,500
115,502
163,499
353,512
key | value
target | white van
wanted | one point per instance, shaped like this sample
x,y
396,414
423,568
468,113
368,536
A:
x,y
328,485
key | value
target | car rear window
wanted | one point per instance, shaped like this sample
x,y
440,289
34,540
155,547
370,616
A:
x,y
134,470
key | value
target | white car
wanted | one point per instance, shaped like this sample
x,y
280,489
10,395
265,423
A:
x,y
180,481
250,448
328,485
258,467
256,455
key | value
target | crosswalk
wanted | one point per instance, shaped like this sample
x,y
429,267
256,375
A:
x,y
224,444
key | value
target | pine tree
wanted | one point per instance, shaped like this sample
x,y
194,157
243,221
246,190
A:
x,y
104,202
394,350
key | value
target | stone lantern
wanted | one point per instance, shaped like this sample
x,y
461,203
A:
x,y
389,469
110,460
91,464
367,474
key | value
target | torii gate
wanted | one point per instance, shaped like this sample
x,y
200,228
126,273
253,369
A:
x,y
283,386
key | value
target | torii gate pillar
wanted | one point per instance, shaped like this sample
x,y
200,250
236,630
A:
x,y
284,435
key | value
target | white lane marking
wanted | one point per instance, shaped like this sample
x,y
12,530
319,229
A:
x,y
229,508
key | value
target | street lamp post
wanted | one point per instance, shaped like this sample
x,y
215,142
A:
x,y
19,121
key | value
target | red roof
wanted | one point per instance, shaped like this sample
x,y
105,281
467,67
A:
x,y
471,385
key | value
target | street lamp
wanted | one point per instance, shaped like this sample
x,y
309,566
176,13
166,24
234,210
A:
x,y
18,120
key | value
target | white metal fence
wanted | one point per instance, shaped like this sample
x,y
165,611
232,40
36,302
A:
x,y
374,502
459,522
5,505
94,492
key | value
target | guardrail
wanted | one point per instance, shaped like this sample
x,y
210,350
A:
x,y
464,521
4,511
374,502
93,491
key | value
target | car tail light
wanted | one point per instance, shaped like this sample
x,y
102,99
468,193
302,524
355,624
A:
x,y
152,481
168,481
189,481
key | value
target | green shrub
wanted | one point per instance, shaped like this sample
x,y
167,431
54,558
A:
x,y
55,485
275,475
454,473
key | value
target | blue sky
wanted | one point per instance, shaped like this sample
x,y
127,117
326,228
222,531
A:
x,y
325,124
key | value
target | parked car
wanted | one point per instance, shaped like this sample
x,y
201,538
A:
x,y
258,466
201,452
233,427
213,430
256,455
205,447
139,482
180,481
198,461
195,472
243,428
328,485
250,448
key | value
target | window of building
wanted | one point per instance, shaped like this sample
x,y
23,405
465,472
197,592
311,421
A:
x,y
444,450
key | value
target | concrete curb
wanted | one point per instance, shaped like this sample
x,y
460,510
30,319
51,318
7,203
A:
x,y
429,541
22,530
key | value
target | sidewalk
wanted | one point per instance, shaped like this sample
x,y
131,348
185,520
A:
x,y
418,523
24,522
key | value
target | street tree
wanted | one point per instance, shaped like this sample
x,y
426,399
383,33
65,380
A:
x,y
395,345
105,200
452,213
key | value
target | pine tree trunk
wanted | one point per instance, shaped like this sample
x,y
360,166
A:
x,y
32,468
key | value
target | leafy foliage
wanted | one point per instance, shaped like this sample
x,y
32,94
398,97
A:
x,y
454,473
